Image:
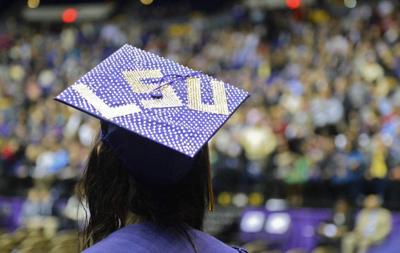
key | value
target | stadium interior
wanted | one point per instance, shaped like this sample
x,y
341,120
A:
x,y
297,169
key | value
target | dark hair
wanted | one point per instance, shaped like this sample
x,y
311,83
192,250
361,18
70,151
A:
x,y
112,193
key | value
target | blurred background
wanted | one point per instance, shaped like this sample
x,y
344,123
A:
x,y
310,163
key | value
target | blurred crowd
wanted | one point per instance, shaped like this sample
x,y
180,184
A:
x,y
325,103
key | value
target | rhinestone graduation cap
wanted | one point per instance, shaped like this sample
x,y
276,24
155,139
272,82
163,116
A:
x,y
155,113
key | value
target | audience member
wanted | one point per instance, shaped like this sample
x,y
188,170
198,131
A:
x,y
373,225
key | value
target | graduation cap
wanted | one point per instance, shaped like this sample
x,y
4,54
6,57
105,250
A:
x,y
155,114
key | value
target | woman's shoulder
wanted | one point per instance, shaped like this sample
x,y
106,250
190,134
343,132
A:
x,y
146,238
207,243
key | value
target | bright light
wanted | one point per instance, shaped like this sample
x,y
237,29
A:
x,y
146,2
224,198
350,3
293,4
275,205
69,15
240,200
277,223
330,230
256,199
33,3
252,222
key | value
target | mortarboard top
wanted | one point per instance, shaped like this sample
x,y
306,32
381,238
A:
x,y
155,113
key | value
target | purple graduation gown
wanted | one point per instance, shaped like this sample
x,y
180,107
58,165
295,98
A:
x,y
147,238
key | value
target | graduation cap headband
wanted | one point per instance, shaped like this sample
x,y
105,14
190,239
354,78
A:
x,y
153,107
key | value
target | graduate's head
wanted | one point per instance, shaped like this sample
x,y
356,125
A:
x,y
151,159
116,197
